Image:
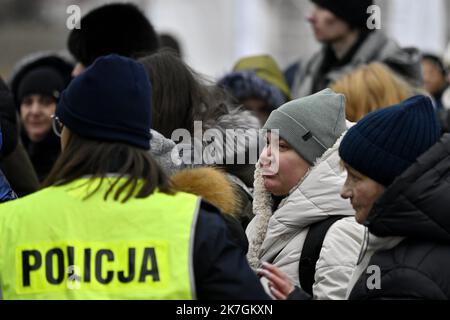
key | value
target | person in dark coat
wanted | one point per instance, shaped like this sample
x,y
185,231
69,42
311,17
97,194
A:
x,y
6,193
397,182
8,121
7,130
36,85
341,26
135,204
14,161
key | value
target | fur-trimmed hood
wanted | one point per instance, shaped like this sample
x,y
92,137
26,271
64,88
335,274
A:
x,y
170,155
212,185
234,118
161,150
58,60
237,118
226,119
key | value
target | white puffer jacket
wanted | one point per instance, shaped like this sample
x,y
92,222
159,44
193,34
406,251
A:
x,y
278,237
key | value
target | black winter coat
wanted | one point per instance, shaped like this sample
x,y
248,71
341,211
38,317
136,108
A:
x,y
14,161
417,207
221,269
43,154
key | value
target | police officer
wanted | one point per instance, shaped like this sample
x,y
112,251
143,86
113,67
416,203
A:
x,y
107,225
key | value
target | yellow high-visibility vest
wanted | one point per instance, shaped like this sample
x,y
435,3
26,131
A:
x,y
55,244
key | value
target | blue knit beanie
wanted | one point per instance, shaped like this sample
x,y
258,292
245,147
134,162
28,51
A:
x,y
386,142
109,101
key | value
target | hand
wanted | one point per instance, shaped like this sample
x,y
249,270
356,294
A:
x,y
279,283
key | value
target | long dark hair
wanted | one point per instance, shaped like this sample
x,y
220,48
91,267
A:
x,y
99,159
180,95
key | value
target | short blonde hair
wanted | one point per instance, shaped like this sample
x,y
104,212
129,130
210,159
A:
x,y
371,87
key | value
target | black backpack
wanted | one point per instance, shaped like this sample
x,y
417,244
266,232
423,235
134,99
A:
x,y
311,251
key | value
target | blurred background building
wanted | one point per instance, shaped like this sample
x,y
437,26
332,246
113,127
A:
x,y
215,33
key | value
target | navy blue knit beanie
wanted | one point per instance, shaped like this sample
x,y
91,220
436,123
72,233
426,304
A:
x,y
109,101
386,142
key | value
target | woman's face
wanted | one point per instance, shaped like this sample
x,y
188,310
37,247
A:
x,y
35,112
362,192
282,166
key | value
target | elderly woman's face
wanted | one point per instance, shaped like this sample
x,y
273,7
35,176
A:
x,y
362,192
282,166
35,112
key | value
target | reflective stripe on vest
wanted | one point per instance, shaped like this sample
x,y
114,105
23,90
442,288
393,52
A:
x,y
56,244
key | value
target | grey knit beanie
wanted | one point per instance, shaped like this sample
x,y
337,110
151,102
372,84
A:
x,y
311,125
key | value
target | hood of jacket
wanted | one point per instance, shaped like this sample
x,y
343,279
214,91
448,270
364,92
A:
x,y
232,117
58,60
315,198
265,67
246,127
212,185
257,76
417,203
171,156
164,152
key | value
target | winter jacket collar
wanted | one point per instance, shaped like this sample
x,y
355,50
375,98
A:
x,y
212,185
369,247
417,204
376,47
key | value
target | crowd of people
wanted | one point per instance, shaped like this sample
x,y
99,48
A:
x,y
101,199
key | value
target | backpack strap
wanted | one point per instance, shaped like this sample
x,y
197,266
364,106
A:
x,y
311,251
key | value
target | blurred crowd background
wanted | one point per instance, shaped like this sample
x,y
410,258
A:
x,y
213,34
